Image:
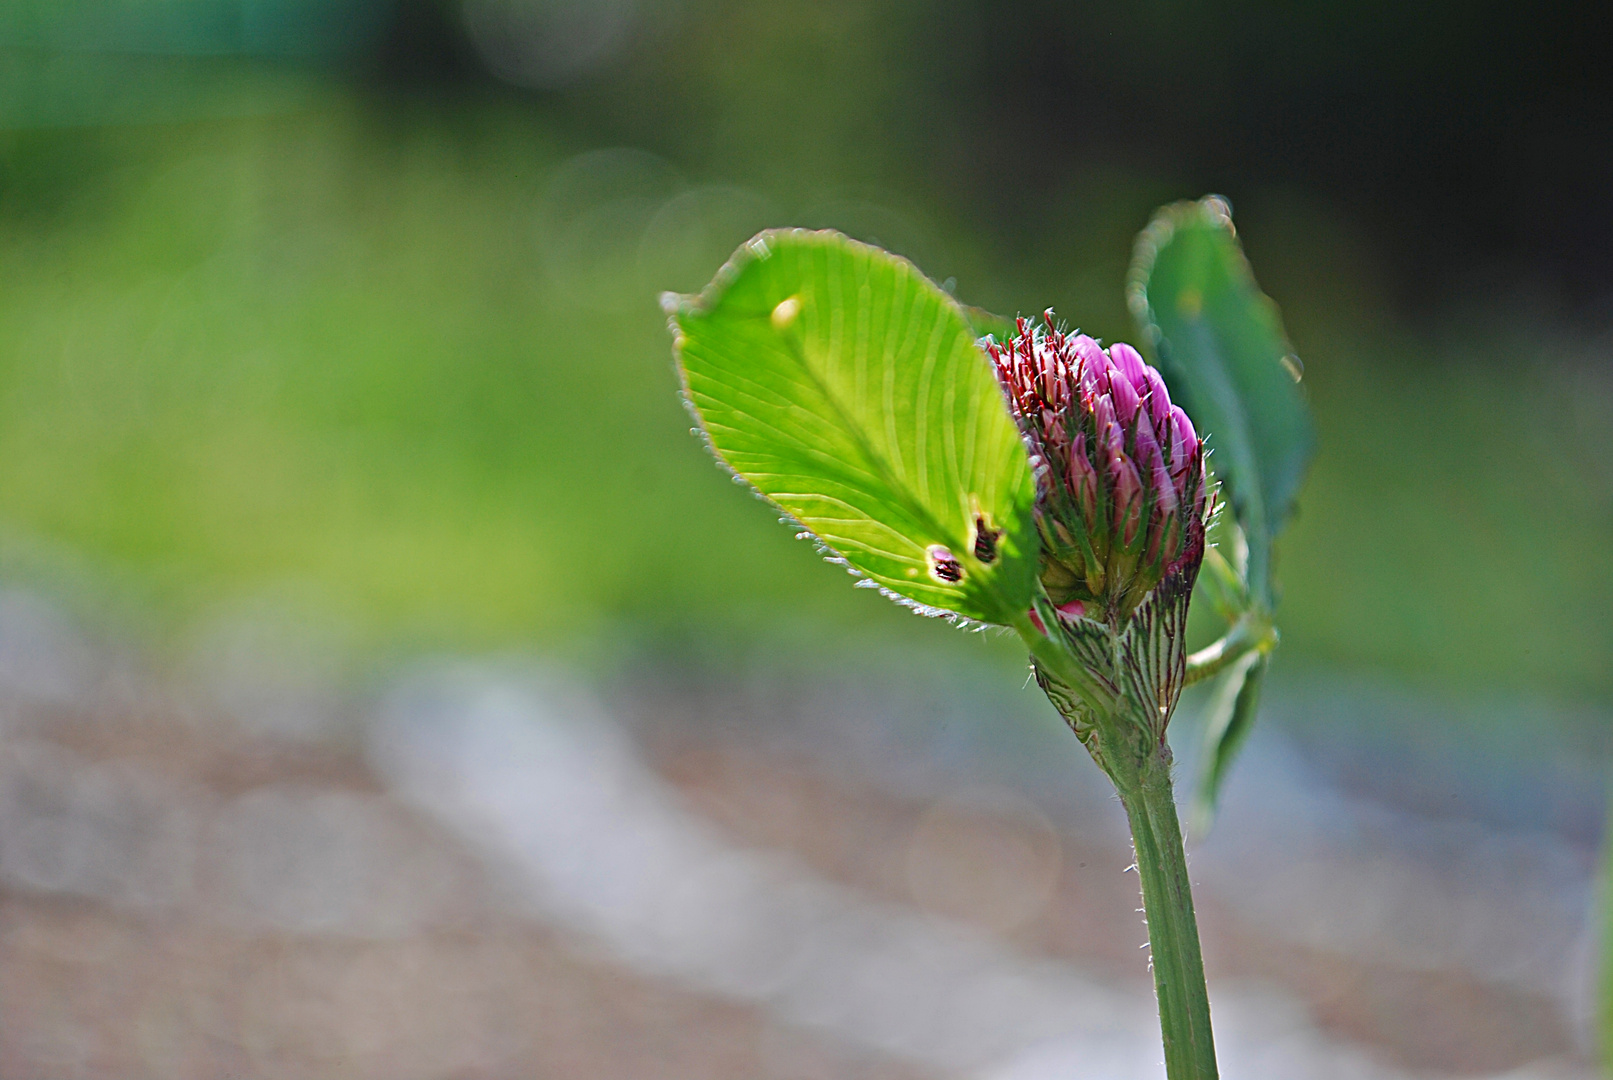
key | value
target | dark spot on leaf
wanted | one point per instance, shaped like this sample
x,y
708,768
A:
x,y
985,540
944,565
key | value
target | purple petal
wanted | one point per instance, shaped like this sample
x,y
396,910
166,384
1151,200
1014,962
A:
x,y
1089,351
1093,363
1130,362
1112,441
1128,485
1184,440
1128,501
1103,417
1166,496
1053,429
1146,439
1148,446
1152,463
1083,478
1073,609
1125,396
1048,361
1159,400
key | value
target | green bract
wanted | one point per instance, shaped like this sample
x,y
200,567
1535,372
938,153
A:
x,y
1220,344
848,389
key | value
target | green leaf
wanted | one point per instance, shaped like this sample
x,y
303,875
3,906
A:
x,y
1227,722
1219,342
848,390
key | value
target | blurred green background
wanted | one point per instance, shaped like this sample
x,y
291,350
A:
x,y
351,307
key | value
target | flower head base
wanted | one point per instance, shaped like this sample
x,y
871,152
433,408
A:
x,y
1122,497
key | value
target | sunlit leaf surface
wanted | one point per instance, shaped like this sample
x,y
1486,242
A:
x,y
849,391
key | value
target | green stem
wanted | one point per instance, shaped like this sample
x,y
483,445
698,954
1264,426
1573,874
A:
x,y
1173,936
1252,631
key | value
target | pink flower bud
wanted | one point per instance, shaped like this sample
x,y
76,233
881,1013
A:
x,y
1121,495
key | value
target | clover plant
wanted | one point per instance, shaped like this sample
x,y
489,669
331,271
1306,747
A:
x,y
1017,474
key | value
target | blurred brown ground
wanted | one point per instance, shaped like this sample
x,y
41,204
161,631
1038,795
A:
x,y
426,967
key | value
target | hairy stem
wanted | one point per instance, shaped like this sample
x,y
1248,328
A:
x,y
1173,936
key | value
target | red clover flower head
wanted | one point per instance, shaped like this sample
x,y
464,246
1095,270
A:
x,y
1122,498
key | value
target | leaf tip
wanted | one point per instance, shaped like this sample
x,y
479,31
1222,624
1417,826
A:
x,y
1217,210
